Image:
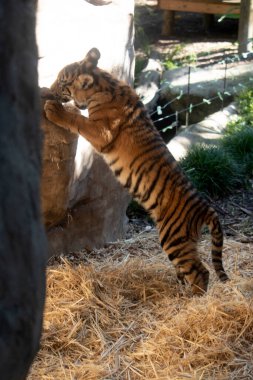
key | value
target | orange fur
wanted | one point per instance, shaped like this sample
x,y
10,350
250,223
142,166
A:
x,y
120,129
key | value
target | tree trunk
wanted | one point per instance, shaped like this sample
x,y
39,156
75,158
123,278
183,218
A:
x,y
22,242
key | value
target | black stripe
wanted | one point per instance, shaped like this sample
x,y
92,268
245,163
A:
x,y
155,204
138,181
177,230
177,241
155,146
113,161
217,261
218,244
173,255
148,193
155,160
180,201
216,253
200,211
128,183
117,172
176,180
188,200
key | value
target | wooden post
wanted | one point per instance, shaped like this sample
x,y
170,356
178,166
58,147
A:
x,y
245,26
168,21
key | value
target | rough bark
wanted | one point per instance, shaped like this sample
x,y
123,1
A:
x,y
22,241
59,150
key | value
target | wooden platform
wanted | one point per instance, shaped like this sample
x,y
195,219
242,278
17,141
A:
x,y
201,6
207,7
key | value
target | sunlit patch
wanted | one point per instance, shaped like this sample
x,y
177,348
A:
x,y
83,158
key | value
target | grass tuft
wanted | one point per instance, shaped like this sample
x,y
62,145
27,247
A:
x,y
240,147
212,170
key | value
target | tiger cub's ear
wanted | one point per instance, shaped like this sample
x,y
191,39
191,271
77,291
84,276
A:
x,y
91,59
84,81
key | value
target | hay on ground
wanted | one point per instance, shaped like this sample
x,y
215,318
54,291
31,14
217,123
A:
x,y
119,313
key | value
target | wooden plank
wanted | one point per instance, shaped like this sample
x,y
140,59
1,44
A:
x,y
212,7
246,26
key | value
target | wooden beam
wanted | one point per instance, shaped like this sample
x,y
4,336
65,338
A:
x,y
200,6
245,26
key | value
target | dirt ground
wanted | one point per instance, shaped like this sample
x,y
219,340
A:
x,y
189,37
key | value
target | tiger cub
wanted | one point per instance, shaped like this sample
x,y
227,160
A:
x,y
120,129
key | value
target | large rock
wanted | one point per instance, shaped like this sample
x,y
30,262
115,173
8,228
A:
x,y
23,248
83,204
149,84
98,217
207,132
206,89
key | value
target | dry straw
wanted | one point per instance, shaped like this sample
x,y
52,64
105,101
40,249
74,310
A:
x,y
119,313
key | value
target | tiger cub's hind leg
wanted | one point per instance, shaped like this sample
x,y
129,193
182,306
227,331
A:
x,y
189,267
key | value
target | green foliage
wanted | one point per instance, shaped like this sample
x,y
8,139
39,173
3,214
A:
x,y
245,105
235,126
244,102
212,170
191,59
169,64
240,147
219,171
172,60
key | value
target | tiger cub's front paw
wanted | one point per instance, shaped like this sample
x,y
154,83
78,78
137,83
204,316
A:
x,y
54,111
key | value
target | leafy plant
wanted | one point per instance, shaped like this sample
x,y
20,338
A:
x,y
245,105
191,58
169,64
212,170
244,102
170,61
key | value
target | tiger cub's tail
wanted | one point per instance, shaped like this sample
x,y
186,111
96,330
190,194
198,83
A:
x,y
214,226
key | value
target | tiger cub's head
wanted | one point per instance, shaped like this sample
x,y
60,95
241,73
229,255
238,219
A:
x,y
77,80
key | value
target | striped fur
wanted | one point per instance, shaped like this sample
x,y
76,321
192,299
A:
x,y
121,130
